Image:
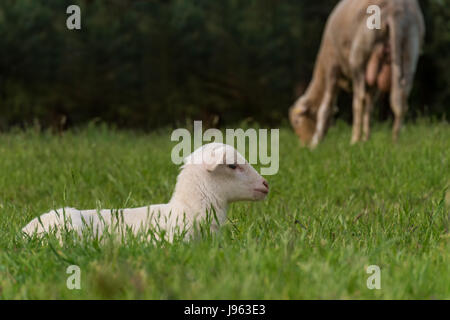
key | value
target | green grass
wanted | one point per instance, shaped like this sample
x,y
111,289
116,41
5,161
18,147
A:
x,y
330,214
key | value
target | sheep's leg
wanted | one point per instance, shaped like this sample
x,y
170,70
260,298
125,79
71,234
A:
x,y
405,50
362,50
370,99
399,106
325,110
358,107
397,97
322,119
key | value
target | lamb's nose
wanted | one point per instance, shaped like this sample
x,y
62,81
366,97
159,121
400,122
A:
x,y
266,184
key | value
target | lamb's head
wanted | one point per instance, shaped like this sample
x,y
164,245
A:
x,y
303,120
228,175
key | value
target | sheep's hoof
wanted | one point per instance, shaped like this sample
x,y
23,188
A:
x,y
314,143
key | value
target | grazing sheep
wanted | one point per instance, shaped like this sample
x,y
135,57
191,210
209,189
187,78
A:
x,y
212,177
378,60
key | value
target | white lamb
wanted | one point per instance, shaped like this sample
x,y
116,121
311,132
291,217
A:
x,y
213,176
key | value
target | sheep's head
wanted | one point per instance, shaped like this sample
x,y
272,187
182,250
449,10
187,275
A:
x,y
303,120
229,174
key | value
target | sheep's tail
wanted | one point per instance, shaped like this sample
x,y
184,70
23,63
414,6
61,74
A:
x,y
46,222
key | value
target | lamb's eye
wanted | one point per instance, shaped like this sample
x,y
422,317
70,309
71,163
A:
x,y
232,166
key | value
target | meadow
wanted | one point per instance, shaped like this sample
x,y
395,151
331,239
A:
x,y
330,214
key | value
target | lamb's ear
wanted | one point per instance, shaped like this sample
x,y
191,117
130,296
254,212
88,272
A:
x,y
211,166
213,158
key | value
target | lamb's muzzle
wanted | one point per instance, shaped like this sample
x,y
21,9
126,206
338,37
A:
x,y
211,178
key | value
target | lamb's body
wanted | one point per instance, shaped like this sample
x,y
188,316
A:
x,y
200,188
73,219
